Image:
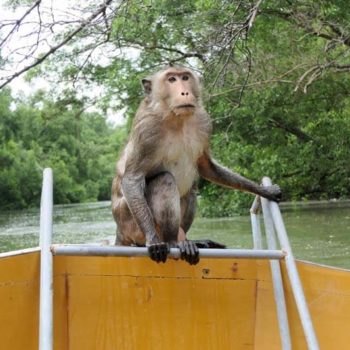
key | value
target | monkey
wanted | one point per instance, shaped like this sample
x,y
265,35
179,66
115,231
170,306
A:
x,y
154,189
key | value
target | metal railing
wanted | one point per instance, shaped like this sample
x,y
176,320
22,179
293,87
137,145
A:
x,y
46,287
90,250
273,211
273,223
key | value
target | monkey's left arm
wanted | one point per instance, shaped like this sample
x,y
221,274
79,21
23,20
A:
x,y
214,172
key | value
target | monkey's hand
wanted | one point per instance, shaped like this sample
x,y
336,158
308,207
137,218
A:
x,y
273,193
158,251
189,251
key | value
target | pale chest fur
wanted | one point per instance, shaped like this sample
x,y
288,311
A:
x,y
179,153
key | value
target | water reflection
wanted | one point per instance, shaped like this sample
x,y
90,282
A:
x,y
318,232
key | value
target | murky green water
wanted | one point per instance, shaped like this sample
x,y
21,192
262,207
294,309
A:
x,y
318,232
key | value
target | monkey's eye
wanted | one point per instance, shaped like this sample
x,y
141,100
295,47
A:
x,y
185,77
172,79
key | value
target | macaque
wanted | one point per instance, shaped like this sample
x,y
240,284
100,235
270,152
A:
x,y
154,190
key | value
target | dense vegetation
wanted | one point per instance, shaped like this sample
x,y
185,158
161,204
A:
x,y
276,81
80,147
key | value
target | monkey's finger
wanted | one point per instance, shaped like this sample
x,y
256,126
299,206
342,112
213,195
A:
x,y
188,251
182,250
279,194
194,253
158,253
276,193
155,253
164,251
152,252
162,254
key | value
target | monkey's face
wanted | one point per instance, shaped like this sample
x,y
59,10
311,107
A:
x,y
179,91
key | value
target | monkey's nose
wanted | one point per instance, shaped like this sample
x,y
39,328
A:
x,y
184,93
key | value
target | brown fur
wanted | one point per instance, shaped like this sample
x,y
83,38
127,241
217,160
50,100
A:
x,y
153,192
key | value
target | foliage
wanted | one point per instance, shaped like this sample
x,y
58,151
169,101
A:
x,y
79,146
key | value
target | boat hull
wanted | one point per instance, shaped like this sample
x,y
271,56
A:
x,y
134,303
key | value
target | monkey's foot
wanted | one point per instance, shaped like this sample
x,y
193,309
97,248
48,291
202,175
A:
x,y
189,251
208,244
159,252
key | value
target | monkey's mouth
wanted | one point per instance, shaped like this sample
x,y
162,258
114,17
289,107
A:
x,y
188,105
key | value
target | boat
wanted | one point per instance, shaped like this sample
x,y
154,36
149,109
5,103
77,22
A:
x,y
70,297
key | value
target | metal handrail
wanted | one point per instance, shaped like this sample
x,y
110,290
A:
x,y
273,222
255,221
46,287
292,272
280,300
93,250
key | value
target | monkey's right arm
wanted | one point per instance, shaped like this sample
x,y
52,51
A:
x,y
140,159
133,187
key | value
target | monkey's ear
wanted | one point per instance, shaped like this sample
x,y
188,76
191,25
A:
x,y
147,86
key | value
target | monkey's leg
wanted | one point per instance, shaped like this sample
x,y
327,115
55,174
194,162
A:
x,y
188,248
188,205
128,233
164,201
188,210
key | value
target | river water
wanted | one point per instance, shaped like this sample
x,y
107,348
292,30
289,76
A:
x,y
319,232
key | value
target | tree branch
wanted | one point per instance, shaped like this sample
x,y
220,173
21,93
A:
x,y
279,123
100,10
19,21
